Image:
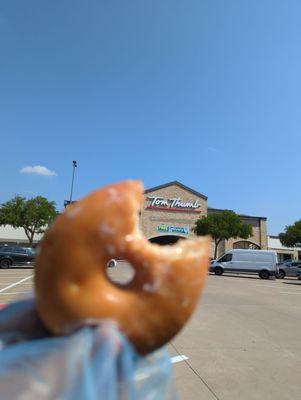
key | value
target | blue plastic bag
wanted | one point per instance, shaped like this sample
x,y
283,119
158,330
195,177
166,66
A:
x,y
92,363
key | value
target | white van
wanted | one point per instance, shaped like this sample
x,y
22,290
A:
x,y
261,262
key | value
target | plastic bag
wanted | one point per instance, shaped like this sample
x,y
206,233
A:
x,y
92,363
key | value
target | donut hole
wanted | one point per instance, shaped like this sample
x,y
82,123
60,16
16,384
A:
x,y
122,274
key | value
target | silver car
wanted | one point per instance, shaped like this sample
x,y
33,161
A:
x,y
289,268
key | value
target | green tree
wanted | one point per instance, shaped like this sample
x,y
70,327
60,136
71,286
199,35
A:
x,y
222,226
33,215
292,235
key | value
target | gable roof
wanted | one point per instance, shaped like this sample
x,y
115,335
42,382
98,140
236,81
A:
x,y
188,189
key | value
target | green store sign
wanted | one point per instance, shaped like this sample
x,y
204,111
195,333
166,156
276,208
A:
x,y
173,229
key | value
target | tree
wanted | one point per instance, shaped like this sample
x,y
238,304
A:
x,y
292,235
33,215
222,226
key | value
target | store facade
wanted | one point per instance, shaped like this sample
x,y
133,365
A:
x,y
168,213
283,253
170,210
16,236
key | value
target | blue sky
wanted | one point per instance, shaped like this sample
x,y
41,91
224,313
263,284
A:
x,y
204,92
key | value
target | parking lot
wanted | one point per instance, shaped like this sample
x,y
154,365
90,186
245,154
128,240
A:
x,y
15,283
243,341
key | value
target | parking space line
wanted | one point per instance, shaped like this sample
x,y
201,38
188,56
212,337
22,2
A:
x,y
177,359
16,283
12,293
9,280
13,275
290,292
24,283
272,286
8,274
277,287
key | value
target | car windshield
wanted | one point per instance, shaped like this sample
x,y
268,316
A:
x,y
225,258
32,251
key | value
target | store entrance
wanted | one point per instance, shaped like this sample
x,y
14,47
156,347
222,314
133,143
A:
x,y
166,239
245,244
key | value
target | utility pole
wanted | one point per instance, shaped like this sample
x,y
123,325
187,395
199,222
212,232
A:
x,y
71,192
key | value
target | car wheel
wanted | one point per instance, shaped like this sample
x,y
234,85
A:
x,y
5,263
218,271
264,274
112,263
281,274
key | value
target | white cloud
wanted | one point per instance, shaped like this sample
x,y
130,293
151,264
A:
x,y
37,170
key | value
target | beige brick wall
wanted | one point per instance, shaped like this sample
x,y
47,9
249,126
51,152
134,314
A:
x,y
259,234
151,219
264,236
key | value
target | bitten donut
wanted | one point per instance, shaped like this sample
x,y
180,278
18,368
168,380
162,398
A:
x,y
72,285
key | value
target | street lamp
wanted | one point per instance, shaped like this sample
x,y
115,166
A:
x,y
71,193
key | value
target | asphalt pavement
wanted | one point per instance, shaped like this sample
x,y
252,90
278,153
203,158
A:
x,y
242,343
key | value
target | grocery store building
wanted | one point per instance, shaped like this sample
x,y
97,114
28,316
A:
x,y
169,213
170,210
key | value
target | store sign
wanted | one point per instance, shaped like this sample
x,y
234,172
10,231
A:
x,y
175,204
173,229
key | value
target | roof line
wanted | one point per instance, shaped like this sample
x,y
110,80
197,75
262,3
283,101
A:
x,y
241,215
178,184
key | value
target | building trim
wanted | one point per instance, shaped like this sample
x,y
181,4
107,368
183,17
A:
x,y
247,240
177,183
173,209
211,209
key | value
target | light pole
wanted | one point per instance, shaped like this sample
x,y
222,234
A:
x,y
71,193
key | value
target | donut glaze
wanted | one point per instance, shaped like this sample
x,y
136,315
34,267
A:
x,y
72,286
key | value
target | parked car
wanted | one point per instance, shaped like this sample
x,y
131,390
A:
x,y
289,268
10,255
261,262
112,263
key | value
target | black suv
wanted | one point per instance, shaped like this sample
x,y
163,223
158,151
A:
x,y
10,255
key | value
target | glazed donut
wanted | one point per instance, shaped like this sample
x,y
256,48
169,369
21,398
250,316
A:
x,y
71,282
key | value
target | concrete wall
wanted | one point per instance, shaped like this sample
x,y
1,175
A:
x,y
8,234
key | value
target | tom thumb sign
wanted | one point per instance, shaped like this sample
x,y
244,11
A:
x,y
175,204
